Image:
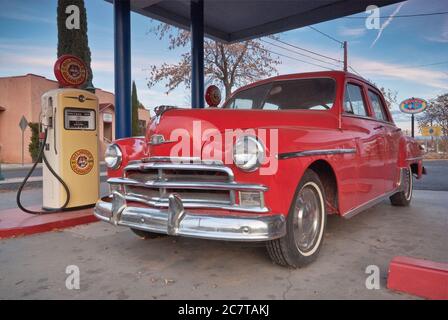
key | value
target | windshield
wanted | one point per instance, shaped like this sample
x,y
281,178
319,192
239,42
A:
x,y
303,94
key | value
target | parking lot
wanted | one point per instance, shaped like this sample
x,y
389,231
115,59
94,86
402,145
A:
x,y
114,263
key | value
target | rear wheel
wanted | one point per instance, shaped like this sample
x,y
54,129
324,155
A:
x,y
305,225
146,234
404,197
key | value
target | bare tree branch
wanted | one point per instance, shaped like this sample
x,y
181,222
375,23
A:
x,y
231,65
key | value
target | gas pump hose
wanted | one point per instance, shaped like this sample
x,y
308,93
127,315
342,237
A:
x,y
19,191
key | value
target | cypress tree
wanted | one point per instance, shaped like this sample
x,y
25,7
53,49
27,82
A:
x,y
74,41
135,107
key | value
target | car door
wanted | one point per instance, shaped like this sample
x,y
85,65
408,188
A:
x,y
391,138
369,137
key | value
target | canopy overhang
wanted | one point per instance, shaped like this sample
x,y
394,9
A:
x,y
236,20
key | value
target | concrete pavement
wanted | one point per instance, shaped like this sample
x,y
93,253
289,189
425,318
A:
x,y
115,264
32,197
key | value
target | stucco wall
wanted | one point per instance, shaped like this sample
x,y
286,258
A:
x,y
17,98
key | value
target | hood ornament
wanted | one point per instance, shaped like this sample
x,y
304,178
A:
x,y
158,139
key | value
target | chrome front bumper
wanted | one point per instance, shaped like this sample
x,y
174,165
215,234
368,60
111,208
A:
x,y
176,221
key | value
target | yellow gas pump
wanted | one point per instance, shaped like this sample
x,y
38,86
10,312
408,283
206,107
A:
x,y
69,142
71,147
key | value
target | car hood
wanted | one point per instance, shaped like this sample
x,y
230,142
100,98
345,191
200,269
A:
x,y
199,122
223,119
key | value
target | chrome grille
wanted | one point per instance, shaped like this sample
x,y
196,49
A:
x,y
199,185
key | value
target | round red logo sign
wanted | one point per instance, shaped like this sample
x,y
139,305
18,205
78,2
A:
x,y
81,161
213,96
70,71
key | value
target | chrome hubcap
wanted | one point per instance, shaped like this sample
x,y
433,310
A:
x,y
307,216
408,184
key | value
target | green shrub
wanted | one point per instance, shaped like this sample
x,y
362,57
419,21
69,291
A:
x,y
33,147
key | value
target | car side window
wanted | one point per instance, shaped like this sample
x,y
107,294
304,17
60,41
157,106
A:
x,y
354,101
377,106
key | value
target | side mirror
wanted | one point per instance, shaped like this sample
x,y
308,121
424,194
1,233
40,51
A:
x,y
213,96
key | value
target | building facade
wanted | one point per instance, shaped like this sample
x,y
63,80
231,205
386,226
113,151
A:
x,y
21,95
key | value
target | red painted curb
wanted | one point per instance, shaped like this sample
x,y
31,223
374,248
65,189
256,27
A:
x,y
419,277
14,222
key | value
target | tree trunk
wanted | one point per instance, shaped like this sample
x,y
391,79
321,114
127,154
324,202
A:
x,y
228,90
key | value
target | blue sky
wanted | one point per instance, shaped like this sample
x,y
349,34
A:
x,y
28,40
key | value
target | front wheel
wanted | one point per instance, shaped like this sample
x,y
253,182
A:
x,y
305,225
404,197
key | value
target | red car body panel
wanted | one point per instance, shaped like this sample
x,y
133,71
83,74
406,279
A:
x,y
373,170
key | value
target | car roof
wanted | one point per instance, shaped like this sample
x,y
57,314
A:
x,y
318,74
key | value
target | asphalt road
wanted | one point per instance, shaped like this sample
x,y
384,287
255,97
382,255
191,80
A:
x,y
436,178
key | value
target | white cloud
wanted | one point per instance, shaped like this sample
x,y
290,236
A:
x,y
426,77
441,39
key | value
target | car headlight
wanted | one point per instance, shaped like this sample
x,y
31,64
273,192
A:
x,y
248,153
113,156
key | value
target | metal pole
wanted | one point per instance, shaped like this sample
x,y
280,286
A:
x,y
23,143
122,50
412,125
197,53
345,57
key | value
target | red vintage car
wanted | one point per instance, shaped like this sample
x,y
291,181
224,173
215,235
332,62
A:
x,y
303,146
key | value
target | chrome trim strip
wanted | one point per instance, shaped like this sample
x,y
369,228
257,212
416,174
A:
x,y
189,185
163,203
308,153
352,212
177,221
172,159
184,199
180,166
